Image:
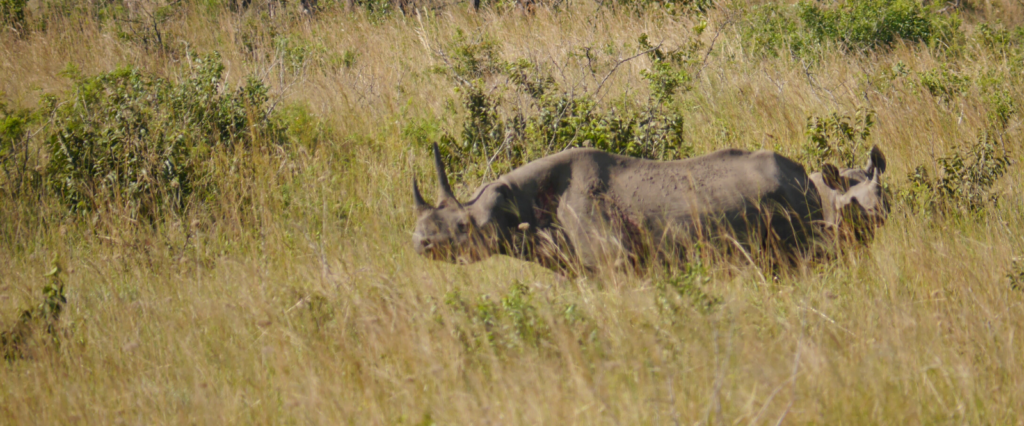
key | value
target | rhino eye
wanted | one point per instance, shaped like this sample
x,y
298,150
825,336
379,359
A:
x,y
461,227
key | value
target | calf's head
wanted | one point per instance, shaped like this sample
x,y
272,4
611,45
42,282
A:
x,y
858,199
453,231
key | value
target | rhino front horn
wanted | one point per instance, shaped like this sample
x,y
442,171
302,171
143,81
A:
x,y
444,189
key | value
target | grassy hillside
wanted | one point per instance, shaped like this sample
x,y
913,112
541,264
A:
x,y
205,213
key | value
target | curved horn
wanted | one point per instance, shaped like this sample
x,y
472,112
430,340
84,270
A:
x,y
444,189
420,204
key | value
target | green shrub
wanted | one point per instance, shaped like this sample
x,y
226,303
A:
x,y
668,73
684,290
1016,275
869,24
675,7
851,25
12,13
1000,40
296,54
543,118
770,30
377,10
511,323
1001,107
964,181
624,128
944,83
473,59
996,94
255,35
130,140
14,150
837,138
18,340
146,28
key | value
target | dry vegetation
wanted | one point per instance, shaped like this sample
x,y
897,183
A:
x,y
283,288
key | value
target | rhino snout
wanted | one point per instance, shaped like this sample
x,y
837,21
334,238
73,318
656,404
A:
x,y
422,244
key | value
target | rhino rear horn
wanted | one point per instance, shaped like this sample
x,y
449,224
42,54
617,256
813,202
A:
x,y
444,189
417,197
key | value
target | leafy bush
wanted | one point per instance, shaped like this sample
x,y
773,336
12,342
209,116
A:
x,y
510,323
624,128
12,13
1016,275
544,118
146,26
668,73
473,59
379,9
297,54
770,30
515,322
132,140
944,83
852,25
869,24
996,90
14,150
675,7
1000,40
964,182
1001,107
684,291
17,341
255,36
837,138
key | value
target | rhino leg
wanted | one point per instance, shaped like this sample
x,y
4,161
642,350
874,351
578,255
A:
x,y
597,233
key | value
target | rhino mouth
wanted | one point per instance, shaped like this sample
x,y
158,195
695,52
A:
x,y
860,224
450,252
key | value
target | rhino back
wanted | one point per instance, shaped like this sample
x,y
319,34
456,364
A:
x,y
724,182
728,187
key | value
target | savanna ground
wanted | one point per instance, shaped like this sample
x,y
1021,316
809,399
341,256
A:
x,y
205,213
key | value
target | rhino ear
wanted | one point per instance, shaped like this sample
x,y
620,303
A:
x,y
830,174
876,162
490,202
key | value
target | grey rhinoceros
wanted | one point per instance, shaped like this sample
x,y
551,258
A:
x,y
588,206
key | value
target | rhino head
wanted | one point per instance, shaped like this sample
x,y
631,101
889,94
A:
x,y
854,199
460,232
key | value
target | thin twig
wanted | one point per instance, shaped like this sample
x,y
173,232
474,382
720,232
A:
x,y
622,61
718,32
828,319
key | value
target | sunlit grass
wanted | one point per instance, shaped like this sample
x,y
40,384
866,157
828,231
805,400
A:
x,y
295,295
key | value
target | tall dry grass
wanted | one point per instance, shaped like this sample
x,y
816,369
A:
x,y
295,297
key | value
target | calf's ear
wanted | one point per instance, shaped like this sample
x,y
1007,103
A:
x,y
830,174
876,162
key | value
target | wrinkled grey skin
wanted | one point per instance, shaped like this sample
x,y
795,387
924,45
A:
x,y
586,206
853,196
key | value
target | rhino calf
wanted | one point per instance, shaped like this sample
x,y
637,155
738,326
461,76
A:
x,y
587,206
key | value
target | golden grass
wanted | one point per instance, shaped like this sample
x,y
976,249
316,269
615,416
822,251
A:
x,y
308,305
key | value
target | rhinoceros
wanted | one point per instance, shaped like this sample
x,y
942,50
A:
x,y
853,196
587,206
